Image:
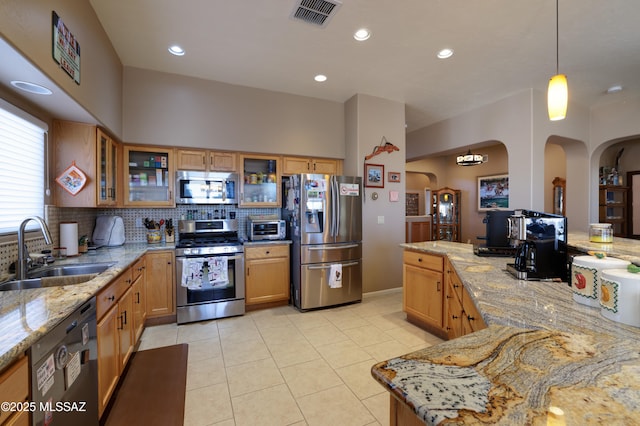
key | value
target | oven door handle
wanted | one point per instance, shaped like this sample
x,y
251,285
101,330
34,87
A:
x,y
344,265
237,256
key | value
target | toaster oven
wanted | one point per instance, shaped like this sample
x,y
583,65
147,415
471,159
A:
x,y
266,229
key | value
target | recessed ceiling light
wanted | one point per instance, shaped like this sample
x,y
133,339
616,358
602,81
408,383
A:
x,y
320,78
362,34
614,89
31,87
445,53
176,50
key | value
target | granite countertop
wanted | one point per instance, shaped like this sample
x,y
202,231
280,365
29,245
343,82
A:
x,y
27,315
540,350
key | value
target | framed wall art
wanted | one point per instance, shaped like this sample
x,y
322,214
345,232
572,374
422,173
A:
x,y
394,177
374,175
493,192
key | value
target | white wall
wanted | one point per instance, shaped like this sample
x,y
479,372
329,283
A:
x,y
174,110
26,24
369,119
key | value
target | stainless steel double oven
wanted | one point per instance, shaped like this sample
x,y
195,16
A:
x,y
209,270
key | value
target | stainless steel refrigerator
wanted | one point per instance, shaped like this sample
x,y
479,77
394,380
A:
x,y
324,222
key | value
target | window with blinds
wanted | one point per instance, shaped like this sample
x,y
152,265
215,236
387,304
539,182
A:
x,y
22,167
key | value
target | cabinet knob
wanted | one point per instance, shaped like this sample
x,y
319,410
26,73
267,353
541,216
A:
x,y
419,259
267,252
456,286
112,298
470,318
454,317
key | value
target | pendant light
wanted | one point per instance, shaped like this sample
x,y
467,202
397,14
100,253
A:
x,y
469,159
558,92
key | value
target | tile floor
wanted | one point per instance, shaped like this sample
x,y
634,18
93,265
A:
x,y
283,367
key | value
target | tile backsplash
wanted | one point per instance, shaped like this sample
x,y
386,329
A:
x,y
86,222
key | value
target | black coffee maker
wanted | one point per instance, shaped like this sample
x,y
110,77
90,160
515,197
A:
x,y
541,245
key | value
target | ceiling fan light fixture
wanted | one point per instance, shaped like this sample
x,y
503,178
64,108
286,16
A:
x,y
469,159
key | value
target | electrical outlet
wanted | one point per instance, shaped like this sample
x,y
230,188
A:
x,y
380,220
139,222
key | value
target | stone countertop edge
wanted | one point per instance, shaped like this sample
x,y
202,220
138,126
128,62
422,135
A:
x,y
27,315
541,349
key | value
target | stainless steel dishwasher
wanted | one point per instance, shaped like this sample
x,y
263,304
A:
x,y
64,371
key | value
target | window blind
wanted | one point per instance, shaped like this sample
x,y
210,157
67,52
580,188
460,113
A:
x,y
21,167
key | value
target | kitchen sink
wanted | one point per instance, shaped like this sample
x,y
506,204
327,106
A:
x,y
57,276
66,270
46,282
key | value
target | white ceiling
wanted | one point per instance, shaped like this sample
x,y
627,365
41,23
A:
x,y
501,47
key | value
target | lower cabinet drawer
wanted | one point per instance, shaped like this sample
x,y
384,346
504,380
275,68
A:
x,y
424,260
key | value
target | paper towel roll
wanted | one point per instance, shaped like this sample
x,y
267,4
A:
x,y
69,237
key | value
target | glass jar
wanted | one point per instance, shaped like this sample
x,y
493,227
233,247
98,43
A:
x,y
601,233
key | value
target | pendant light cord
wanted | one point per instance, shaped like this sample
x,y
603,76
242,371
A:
x,y
557,39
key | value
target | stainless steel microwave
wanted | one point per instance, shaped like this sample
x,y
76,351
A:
x,y
206,188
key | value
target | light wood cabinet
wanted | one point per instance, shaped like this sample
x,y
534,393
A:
x,y
125,328
160,284
423,288
206,161
118,329
435,298
138,297
14,387
150,176
96,154
259,181
296,165
462,316
266,274
108,357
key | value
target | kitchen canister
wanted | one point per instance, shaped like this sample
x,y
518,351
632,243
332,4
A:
x,y
620,296
69,237
585,277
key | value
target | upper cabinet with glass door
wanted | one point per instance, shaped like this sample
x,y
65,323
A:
x,y
259,181
150,174
107,165
92,151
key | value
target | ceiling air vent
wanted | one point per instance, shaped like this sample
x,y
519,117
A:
x,y
316,12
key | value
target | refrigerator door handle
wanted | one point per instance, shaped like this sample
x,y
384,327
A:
x,y
333,247
344,265
336,203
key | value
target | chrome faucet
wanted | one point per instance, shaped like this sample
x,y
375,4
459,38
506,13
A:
x,y
23,254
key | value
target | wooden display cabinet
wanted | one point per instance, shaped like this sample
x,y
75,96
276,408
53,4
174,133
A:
x,y
614,208
446,214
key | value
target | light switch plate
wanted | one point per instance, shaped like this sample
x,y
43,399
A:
x,y
380,220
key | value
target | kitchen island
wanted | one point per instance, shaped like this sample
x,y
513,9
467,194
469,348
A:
x,y
543,358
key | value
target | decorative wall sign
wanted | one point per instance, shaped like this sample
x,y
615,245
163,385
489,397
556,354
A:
x,y
374,175
65,48
493,192
72,179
